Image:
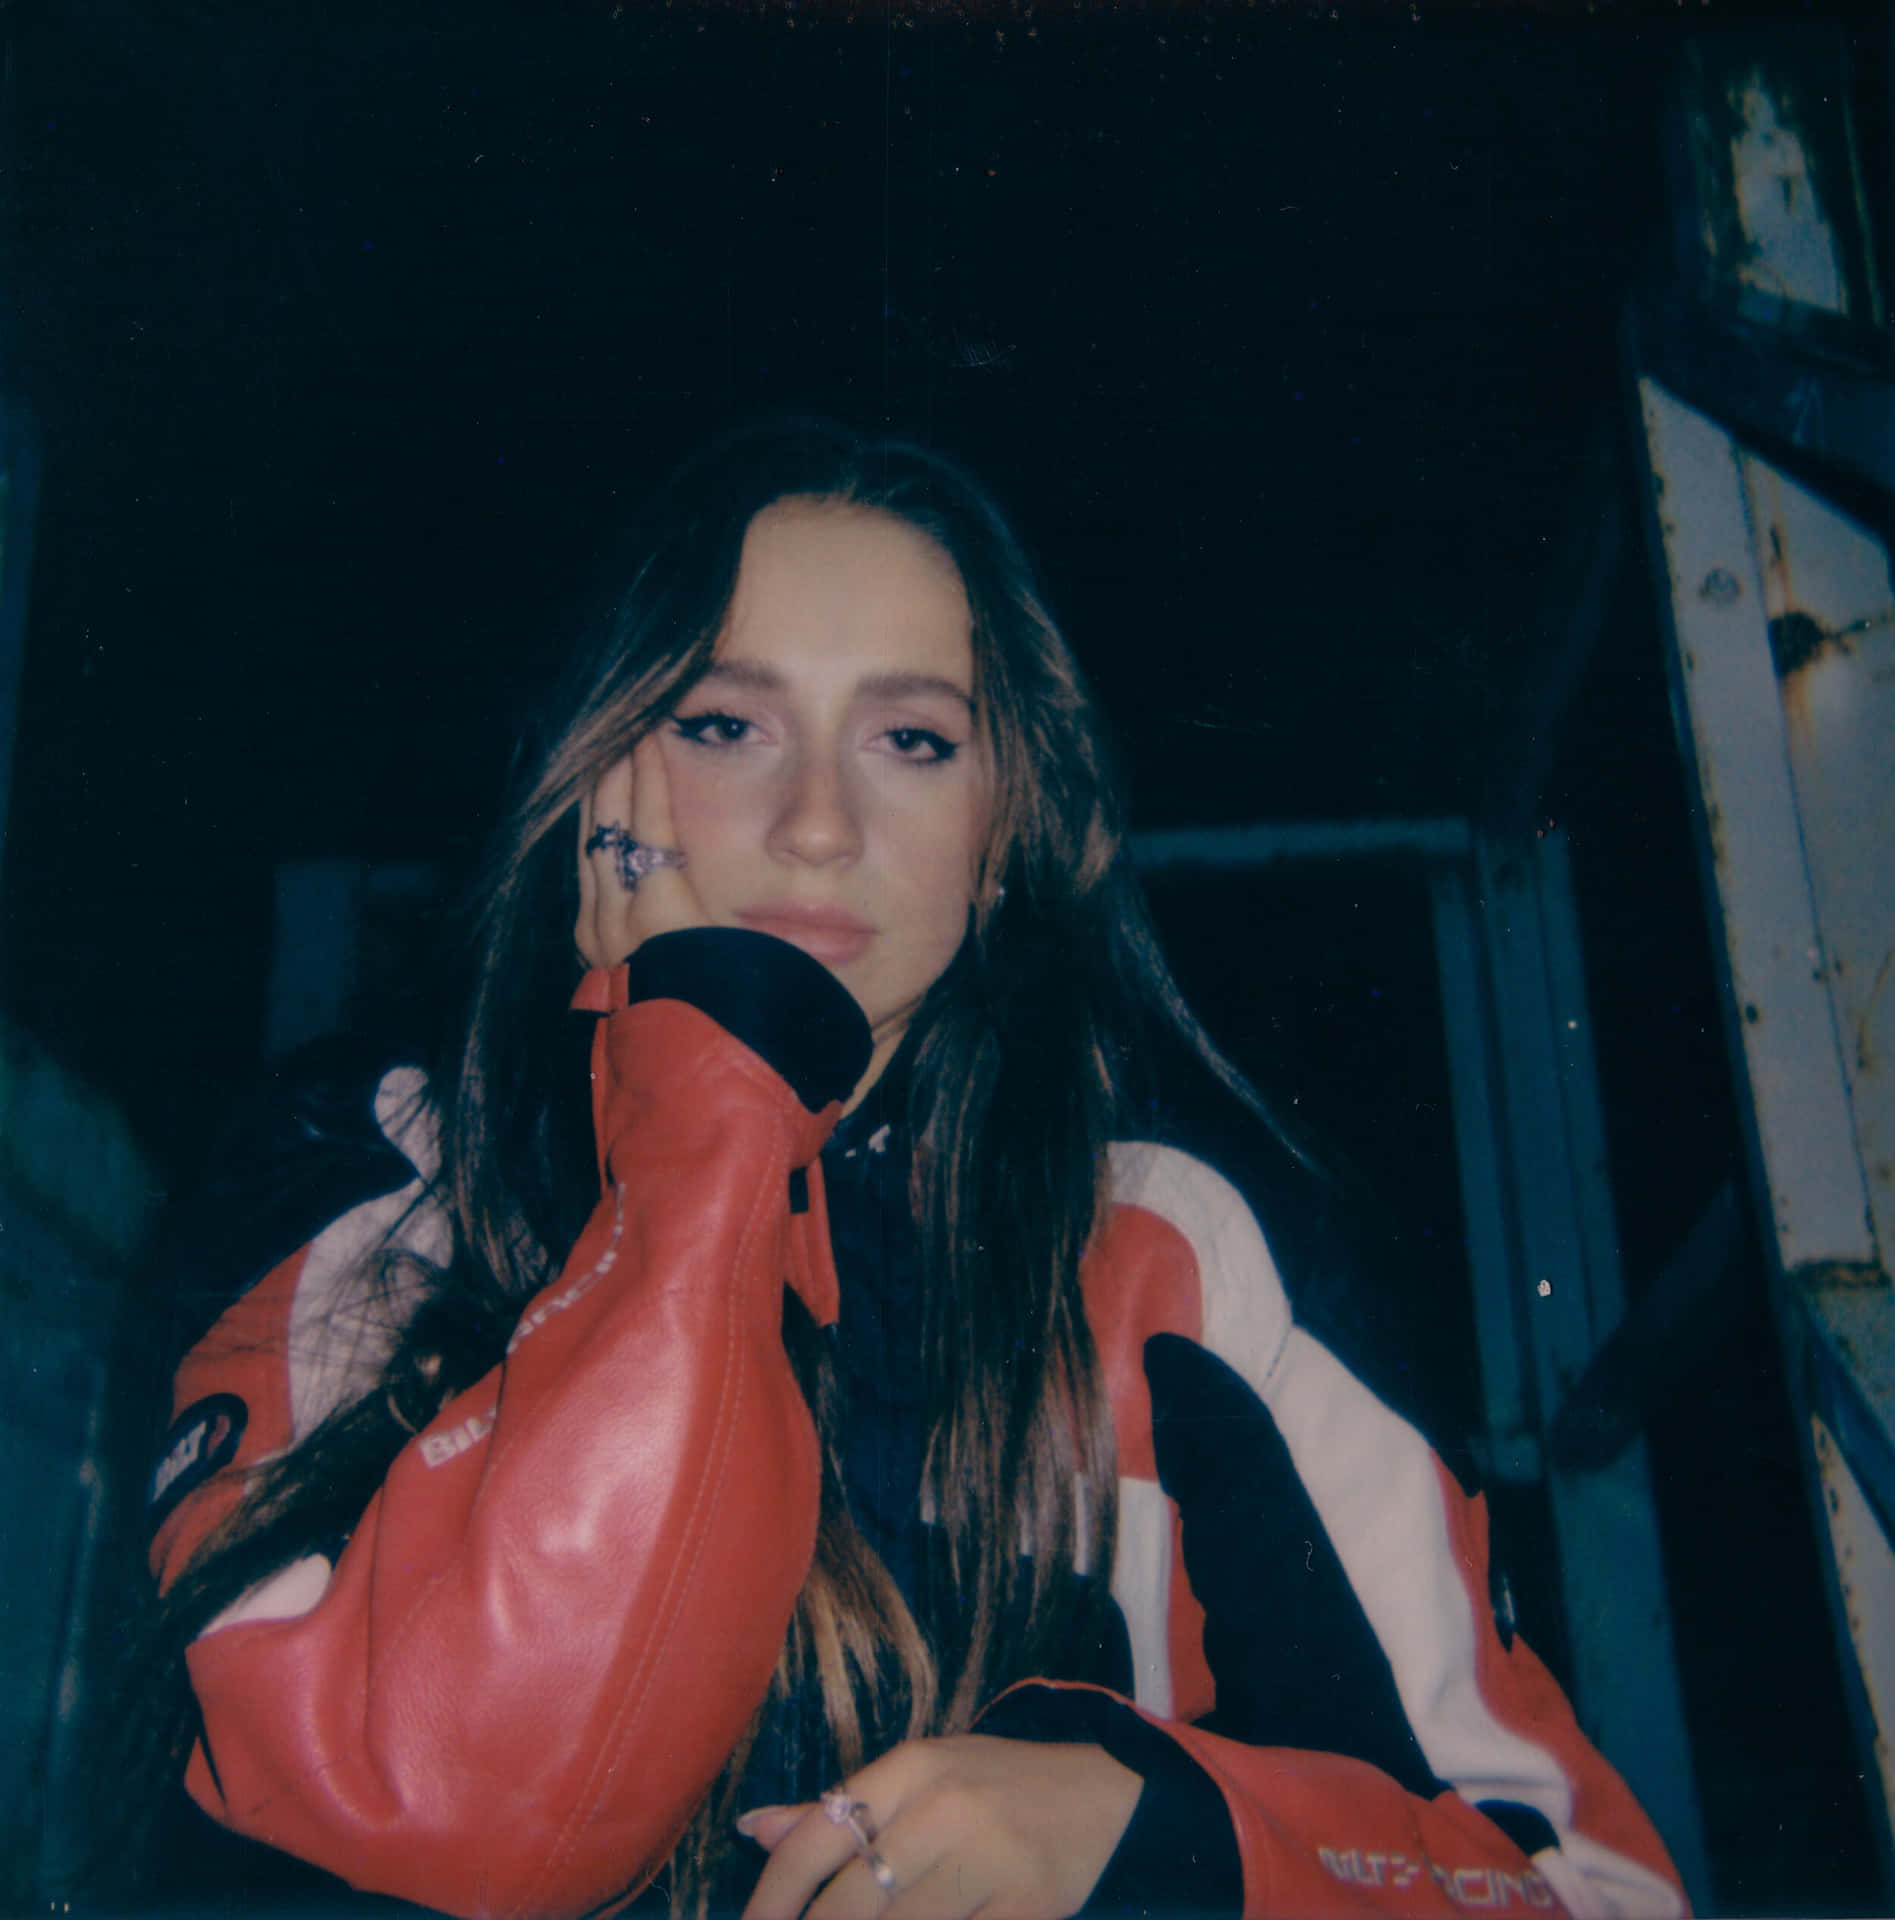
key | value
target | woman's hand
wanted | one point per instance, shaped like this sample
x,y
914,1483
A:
x,y
614,919
1017,1830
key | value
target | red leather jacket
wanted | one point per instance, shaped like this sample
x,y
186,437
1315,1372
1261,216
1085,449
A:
x,y
508,1691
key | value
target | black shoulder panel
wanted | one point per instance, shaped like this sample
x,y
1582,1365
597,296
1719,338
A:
x,y
1294,1657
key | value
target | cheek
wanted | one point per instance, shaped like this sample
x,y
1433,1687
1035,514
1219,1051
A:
x,y
940,853
709,805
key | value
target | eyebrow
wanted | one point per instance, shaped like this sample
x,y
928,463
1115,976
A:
x,y
883,686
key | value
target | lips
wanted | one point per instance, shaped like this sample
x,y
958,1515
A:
x,y
827,934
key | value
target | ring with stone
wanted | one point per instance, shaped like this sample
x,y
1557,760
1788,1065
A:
x,y
634,858
852,1816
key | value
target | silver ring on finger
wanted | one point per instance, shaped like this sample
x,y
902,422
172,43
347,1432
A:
x,y
633,859
852,1816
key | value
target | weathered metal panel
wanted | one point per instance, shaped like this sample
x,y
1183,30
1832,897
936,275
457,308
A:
x,y
1774,223
1785,243
1832,632
1734,722
1781,615
1849,1347
1865,1581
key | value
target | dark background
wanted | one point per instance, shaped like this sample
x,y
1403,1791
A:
x,y
1288,333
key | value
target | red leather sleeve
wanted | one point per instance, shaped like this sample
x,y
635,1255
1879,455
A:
x,y
1308,1832
1321,1833
556,1617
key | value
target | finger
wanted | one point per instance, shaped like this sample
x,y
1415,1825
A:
x,y
767,1825
605,933
649,795
838,1881
918,1885
667,900
612,799
806,1857
588,913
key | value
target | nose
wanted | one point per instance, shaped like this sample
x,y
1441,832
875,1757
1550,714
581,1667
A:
x,y
816,819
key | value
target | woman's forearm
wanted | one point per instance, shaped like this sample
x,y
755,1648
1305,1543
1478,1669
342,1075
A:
x,y
556,1617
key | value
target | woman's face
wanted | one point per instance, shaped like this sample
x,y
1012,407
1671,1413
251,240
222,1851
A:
x,y
827,777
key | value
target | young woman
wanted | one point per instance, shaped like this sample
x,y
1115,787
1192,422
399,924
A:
x,y
827,1467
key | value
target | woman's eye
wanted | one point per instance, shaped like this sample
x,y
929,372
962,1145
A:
x,y
712,729
921,743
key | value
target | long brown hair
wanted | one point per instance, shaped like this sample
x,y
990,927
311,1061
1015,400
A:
x,y
1019,1060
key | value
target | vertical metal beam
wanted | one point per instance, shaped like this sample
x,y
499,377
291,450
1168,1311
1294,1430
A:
x,y
1571,1013
1493,1261
1569,1294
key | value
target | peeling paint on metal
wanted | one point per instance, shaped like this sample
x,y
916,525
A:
x,y
1761,213
1831,630
1816,1276
1795,640
1734,705
1789,247
1865,1578
1866,1061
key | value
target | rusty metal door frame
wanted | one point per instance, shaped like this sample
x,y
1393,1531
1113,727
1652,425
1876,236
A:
x,y
1781,651
1764,395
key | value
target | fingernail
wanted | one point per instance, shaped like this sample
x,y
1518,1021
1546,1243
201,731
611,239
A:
x,y
747,1822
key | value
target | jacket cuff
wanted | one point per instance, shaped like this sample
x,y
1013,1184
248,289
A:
x,y
1178,1854
788,1009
